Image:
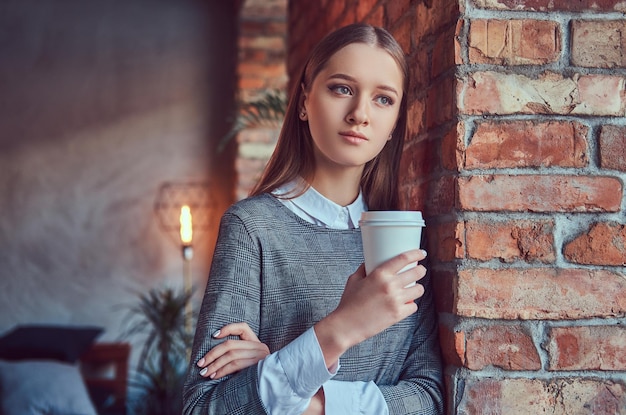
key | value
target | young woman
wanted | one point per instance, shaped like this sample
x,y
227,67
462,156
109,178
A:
x,y
290,323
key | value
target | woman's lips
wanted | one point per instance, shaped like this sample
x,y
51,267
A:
x,y
353,136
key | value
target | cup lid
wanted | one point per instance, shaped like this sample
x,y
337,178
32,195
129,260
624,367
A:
x,y
392,215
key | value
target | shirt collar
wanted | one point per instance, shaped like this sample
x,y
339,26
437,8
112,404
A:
x,y
325,210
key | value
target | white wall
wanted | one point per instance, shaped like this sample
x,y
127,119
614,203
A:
x,y
102,102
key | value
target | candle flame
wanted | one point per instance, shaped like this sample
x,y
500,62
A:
x,y
186,231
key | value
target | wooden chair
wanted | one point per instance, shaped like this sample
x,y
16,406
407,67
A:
x,y
105,370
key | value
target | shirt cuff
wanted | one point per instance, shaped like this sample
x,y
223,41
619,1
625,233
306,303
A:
x,y
304,365
354,398
289,377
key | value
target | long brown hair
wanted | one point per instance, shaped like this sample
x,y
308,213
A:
x,y
293,155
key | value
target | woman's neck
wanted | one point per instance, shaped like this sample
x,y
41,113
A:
x,y
342,187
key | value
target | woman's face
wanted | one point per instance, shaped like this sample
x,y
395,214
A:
x,y
352,106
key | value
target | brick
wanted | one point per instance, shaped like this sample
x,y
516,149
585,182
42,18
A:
x,y
452,345
506,347
419,70
441,195
587,348
603,244
259,151
253,55
414,195
376,17
262,70
246,182
431,16
258,135
347,18
514,42
416,121
299,31
536,396
458,58
540,193
444,284
275,27
612,146
417,160
334,10
263,27
421,192
499,93
599,44
443,58
540,293
246,83
395,10
364,8
445,12
488,40
264,9
452,148
447,241
402,33
509,241
249,166
262,42
441,107
600,95
527,144
553,5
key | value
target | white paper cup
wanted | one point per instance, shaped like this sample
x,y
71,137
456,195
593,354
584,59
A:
x,y
386,234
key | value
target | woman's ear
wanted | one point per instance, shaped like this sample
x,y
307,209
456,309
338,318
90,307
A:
x,y
302,104
303,115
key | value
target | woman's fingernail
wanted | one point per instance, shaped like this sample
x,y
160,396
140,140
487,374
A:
x,y
212,375
424,252
203,371
201,362
216,333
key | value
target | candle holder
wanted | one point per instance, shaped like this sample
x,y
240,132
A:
x,y
183,211
172,196
188,286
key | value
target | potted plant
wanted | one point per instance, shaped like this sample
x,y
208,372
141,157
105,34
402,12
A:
x,y
160,317
266,111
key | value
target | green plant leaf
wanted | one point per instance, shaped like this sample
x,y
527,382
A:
x,y
267,111
159,318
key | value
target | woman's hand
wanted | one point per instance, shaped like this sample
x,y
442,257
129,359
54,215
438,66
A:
x,y
371,304
232,355
316,407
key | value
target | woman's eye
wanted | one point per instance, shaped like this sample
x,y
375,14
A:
x,y
384,100
341,89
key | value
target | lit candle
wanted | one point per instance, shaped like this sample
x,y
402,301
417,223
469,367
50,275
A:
x,y
185,225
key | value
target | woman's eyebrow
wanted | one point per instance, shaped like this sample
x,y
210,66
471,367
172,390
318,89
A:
x,y
389,89
349,78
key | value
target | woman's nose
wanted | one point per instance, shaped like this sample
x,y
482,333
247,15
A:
x,y
359,113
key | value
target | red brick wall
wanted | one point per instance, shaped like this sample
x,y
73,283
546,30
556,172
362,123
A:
x,y
262,67
517,156
537,315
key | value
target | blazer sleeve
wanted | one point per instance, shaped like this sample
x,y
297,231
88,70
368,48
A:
x,y
420,388
232,295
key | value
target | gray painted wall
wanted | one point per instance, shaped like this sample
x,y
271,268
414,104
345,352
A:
x,y
101,103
